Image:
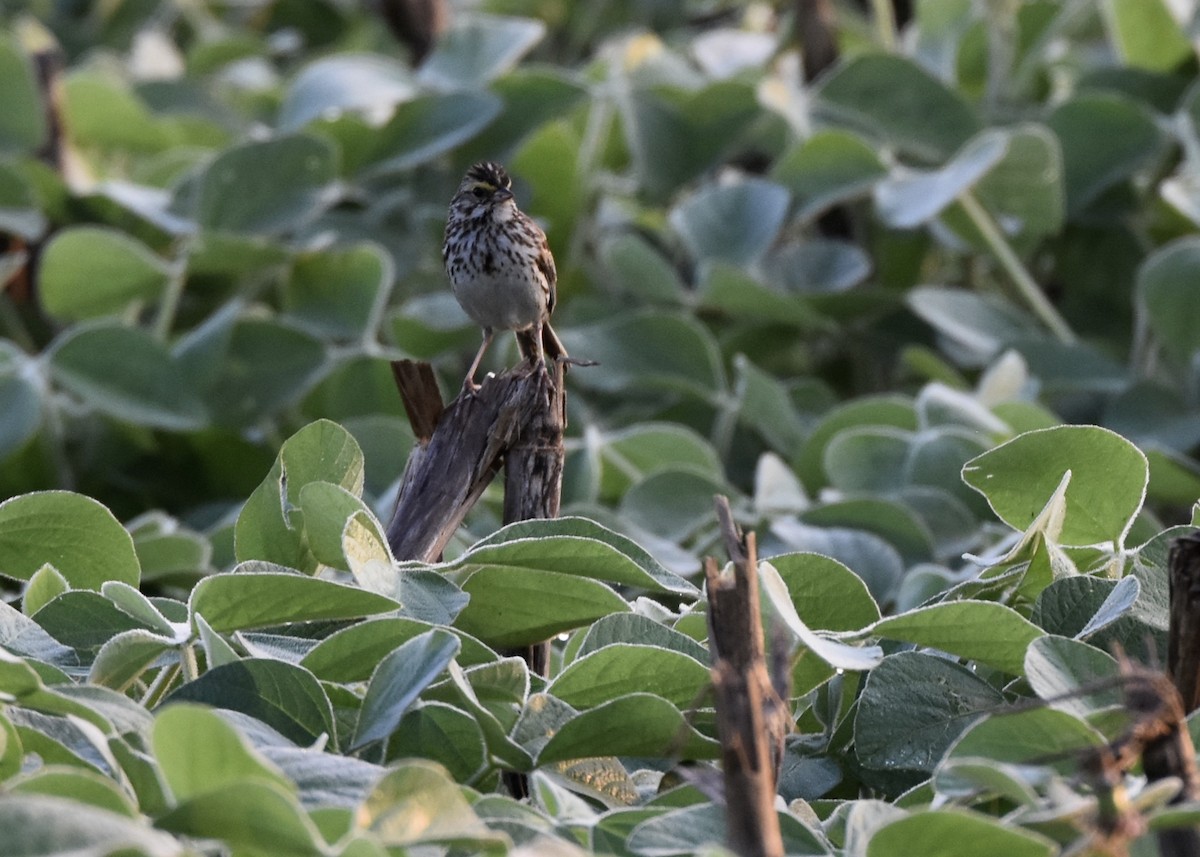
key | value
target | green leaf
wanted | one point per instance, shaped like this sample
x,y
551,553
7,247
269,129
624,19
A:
x,y
268,187
1146,34
43,825
984,631
327,510
1164,292
734,223
125,656
44,586
507,605
572,545
351,654
662,731
1025,192
21,404
22,119
830,167
257,819
634,453
1105,139
20,213
1082,605
102,112
1031,735
268,527
339,292
79,536
943,833
76,784
89,271
85,620
198,752
259,595
912,708
639,270
1108,481
332,85
909,199
827,595
428,127
285,697
417,802
648,352
1072,675
981,325
397,682
442,734
636,628
625,668
127,374
478,48
892,98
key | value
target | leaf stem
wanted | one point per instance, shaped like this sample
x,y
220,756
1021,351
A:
x,y
161,682
165,319
1021,278
885,23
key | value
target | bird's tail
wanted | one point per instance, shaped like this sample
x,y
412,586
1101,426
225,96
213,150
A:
x,y
552,346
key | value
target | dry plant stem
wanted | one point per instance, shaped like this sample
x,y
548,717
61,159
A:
x,y
1183,635
1030,291
748,707
447,473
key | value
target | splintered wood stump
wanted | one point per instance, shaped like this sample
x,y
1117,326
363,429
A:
x,y
752,716
516,421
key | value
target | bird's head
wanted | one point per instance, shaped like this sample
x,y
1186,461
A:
x,y
485,190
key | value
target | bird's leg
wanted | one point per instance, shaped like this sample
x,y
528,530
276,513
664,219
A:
x,y
469,385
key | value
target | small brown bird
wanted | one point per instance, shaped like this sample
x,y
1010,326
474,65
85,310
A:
x,y
500,267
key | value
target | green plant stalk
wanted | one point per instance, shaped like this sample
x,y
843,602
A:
x,y
164,320
1022,279
885,23
158,687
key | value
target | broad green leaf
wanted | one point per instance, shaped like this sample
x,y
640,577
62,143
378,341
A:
x,y
983,631
1105,139
1081,605
895,522
876,562
866,411
22,119
674,134
103,112
258,595
826,594
327,509
507,604
648,351
417,802
267,187
1108,480
1164,293
829,167
444,734
339,292
1146,34
76,784
21,636
21,404
329,86
818,266
287,698
625,668
838,655
732,291
1072,675
267,528
572,545
1029,735
43,825
945,832
979,325
351,654
734,223
79,536
133,602
127,374
636,628
199,752
20,213
894,99
633,453
672,504
638,269
397,682
1025,192
662,731
478,48
908,199
427,127
126,655
261,367
86,620
912,708
88,271
250,817
44,586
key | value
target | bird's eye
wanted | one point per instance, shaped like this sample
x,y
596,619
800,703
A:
x,y
479,192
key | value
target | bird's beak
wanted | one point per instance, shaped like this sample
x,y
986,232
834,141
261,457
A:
x,y
502,195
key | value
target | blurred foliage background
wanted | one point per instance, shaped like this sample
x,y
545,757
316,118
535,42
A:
x,y
839,260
